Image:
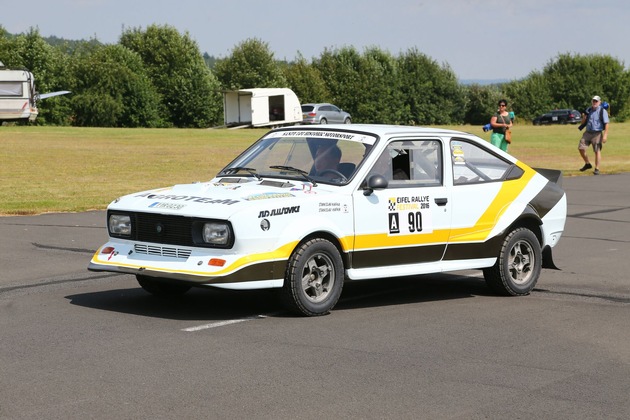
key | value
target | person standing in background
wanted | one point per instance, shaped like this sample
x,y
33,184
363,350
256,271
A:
x,y
596,120
500,123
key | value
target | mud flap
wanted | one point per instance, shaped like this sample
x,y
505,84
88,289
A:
x,y
547,259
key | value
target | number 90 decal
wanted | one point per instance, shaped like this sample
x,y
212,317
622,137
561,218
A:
x,y
414,212
412,222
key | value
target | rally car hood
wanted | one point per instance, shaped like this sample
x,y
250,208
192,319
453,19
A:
x,y
218,198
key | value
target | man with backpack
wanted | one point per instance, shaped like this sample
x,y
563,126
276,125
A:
x,y
596,121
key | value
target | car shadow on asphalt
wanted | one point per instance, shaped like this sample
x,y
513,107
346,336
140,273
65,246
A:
x,y
203,304
416,289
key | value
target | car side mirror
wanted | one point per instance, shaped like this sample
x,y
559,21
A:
x,y
375,182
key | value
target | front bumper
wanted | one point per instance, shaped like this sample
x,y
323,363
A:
x,y
191,265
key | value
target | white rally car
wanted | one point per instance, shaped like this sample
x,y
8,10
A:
x,y
304,210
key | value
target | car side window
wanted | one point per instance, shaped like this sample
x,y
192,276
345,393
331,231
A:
x,y
473,164
411,163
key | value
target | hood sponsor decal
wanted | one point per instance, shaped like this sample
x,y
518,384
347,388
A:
x,y
265,225
170,206
188,198
279,212
227,186
266,196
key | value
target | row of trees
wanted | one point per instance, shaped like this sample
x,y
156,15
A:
x,y
157,77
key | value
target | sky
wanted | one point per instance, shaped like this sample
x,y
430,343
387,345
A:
x,y
477,39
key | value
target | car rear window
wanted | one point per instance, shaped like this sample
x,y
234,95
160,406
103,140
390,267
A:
x,y
307,108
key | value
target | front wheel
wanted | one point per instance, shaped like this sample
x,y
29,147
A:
x,y
518,267
314,278
161,288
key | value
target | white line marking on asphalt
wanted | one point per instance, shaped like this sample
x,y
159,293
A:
x,y
222,323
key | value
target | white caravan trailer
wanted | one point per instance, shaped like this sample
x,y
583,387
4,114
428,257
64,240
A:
x,y
17,95
261,107
18,98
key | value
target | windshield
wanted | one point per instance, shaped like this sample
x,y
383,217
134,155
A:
x,y
318,156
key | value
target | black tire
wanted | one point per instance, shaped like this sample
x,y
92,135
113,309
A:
x,y
323,121
313,279
347,121
518,267
161,288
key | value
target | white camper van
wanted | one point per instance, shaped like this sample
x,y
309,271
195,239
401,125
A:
x,y
18,97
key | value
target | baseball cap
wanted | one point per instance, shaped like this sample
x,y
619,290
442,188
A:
x,y
597,98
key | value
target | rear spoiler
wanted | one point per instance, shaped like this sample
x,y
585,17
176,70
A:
x,y
553,175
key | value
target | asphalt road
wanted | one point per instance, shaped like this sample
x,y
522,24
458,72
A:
x,y
75,344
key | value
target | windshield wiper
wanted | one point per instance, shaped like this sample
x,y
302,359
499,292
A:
x,y
297,171
235,169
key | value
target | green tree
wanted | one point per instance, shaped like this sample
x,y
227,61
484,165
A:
x,y
112,89
432,93
340,72
381,99
576,78
188,89
570,81
306,81
531,97
481,103
250,65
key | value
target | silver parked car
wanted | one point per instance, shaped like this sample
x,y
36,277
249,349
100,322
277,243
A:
x,y
324,114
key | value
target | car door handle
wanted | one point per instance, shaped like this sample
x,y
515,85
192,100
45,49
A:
x,y
441,201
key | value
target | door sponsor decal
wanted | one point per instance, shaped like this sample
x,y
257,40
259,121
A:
x,y
409,215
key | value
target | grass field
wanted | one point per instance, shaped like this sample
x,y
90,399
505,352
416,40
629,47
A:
x,y
68,169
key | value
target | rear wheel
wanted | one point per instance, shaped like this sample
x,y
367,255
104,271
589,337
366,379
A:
x,y
518,267
323,121
314,278
161,288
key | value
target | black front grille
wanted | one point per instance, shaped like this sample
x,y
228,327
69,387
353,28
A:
x,y
163,229
169,229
